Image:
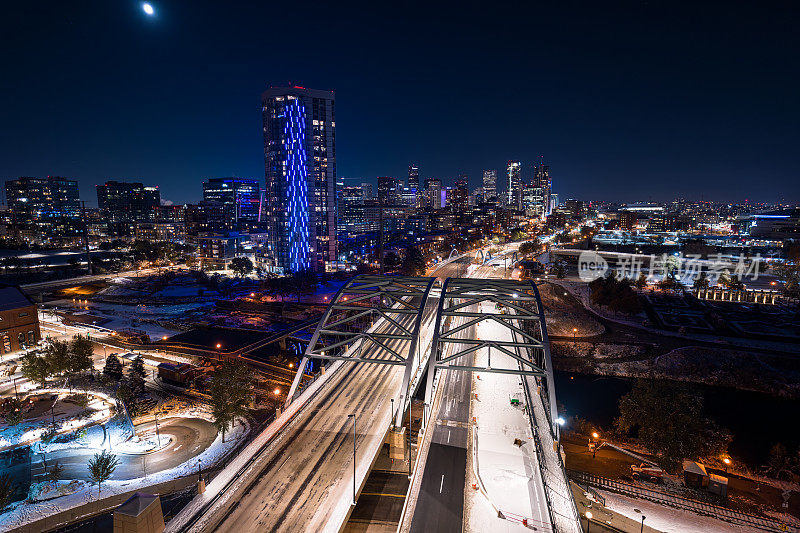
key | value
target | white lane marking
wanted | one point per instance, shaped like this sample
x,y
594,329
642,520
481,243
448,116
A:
x,y
448,437
176,448
441,484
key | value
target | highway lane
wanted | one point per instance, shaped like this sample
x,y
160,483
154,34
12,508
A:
x,y
310,470
440,506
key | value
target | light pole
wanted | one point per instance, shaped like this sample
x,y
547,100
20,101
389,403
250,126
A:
x,y
158,435
199,470
641,529
219,352
392,419
727,462
588,520
574,333
354,456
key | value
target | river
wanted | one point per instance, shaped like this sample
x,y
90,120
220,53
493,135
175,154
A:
x,y
756,420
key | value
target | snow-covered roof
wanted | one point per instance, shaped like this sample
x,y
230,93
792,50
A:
x,y
136,504
694,468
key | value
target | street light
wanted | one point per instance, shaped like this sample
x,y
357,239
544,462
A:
x,y
219,352
642,528
199,470
588,520
574,333
354,456
727,462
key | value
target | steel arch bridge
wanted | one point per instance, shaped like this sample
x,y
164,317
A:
x,y
373,319
513,305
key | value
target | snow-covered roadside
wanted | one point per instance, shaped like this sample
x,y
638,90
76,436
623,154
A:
x,y
668,519
25,512
507,472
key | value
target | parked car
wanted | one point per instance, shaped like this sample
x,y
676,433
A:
x,y
647,471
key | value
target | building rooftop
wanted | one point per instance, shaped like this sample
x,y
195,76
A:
x,y
13,298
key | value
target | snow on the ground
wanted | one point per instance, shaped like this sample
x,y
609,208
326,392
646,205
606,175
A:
x,y
28,512
139,445
668,519
509,473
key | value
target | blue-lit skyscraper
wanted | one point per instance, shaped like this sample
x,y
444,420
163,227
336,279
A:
x,y
300,170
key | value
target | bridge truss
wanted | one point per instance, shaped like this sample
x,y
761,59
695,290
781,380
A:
x,y
514,305
375,320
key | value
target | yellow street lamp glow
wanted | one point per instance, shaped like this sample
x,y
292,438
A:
x,y
726,461
595,435
277,391
589,515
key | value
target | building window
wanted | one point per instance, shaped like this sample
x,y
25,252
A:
x,y
21,339
22,315
31,338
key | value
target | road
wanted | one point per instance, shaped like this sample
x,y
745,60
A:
x,y
191,436
307,474
440,506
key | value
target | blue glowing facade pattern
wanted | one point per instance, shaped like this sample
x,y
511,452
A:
x,y
294,138
300,178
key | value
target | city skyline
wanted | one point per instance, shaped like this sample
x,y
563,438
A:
x,y
694,110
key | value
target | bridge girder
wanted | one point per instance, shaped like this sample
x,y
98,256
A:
x,y
519,310
347,326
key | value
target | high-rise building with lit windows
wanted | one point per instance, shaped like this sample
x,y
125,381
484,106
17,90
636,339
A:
x,y
490,185
300,171
514,192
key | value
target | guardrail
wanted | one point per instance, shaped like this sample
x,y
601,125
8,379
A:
x,y
679,502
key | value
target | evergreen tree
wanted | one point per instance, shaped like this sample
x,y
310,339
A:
x,y
230,390
81,351
36,368
136,375
113,368
101,466
58,357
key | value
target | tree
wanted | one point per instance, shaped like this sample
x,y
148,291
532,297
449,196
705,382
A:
x,y
6,491
780,463
36,368
529,247
14,413
414,263
230,390
668,419
101,466
113,368
57,355
241,266
303,282
641,281
127,397
136,375
81,351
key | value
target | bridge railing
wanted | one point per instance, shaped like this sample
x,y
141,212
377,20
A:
x,y
679,502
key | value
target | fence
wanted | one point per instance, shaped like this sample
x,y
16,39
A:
x,y
679,502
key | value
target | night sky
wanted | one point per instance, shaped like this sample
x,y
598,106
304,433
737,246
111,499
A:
x,y
625,101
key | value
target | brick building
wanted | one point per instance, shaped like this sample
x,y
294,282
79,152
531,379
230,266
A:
x,y
19,321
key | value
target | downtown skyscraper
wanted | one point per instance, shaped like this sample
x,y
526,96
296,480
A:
x,y
300,175
490,185
514,190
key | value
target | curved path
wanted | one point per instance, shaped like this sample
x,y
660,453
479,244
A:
x,y
190,437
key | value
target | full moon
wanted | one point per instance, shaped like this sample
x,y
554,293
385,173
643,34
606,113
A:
x,y
148,8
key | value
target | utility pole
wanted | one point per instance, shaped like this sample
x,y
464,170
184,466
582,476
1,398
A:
x,y
86,238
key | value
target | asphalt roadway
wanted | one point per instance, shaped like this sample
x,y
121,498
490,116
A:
x,y
440,506
309,468
192,436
